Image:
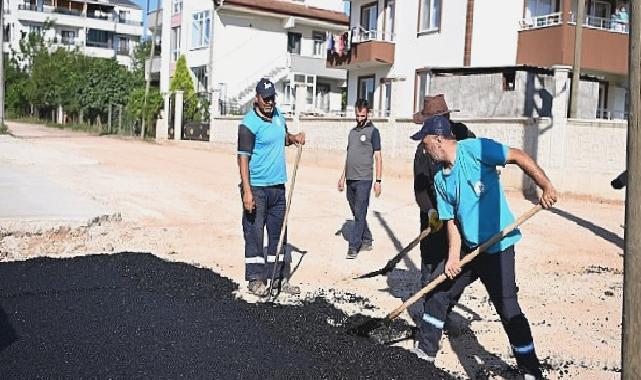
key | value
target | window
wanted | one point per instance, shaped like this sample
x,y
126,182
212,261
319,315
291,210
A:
x,y
175,43
389,19
200,30
600,9
319,43
289,93
508,81
322,96
366,89
386,97
35,29
430,15
200,72
422,89
293,42
68,37
369,16
176,7
541,7
123,16
99,38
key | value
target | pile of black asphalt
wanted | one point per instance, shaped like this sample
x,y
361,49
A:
x,y
132,315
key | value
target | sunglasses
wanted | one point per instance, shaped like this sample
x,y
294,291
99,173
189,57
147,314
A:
x,y
269,99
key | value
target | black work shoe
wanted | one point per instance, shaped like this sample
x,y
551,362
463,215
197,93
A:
x,y
283,286
257,287
352,253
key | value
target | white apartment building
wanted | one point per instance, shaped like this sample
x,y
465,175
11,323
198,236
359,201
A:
x,y
284,40
402,50
98,28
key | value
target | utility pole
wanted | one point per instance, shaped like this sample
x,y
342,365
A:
x,y
2,63
631,345
212,106
151,59
576,69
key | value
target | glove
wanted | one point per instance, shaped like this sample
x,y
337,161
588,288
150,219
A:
x,y
617,184
435,223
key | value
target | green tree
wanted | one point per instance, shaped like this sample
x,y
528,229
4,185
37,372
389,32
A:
x,y
195,107
136,104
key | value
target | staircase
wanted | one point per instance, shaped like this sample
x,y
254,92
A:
x,y
244,91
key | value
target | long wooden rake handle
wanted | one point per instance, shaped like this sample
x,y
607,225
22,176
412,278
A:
x,y
287,207
465,260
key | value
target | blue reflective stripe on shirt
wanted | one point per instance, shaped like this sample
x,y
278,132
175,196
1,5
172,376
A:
x,y
472,192
267,164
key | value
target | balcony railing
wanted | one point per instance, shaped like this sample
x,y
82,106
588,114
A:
x,y
602,23
68,12
73,12
122,50
100,44
29,7
360,34
541,21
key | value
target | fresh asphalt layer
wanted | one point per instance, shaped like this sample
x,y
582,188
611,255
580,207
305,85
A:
x,y
132,315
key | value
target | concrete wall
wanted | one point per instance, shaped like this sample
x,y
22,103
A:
x,y
579,164
483,95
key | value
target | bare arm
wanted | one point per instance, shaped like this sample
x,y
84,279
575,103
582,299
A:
x,y
341,180
453,265
534,171
378,159
248,198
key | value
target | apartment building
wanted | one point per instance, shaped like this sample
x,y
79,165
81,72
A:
x,y
480,52
98,28
284,40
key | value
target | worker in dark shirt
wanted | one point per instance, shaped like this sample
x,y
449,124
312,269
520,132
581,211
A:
x,y
434,246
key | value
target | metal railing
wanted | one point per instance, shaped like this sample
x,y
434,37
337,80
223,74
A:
x,y
541,21
66,11
602,23
99,44
73,12
360,34
29,7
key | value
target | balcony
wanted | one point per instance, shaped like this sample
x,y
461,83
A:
x,y
316,66
549,40
369,48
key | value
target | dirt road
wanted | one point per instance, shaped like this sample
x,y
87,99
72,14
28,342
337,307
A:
x,y
181,202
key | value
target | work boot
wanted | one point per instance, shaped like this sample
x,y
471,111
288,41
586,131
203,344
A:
x,y
422,355
352,253
257,287
366,246
283,286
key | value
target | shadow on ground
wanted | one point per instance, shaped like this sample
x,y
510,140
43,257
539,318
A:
x,y
477,362
134,315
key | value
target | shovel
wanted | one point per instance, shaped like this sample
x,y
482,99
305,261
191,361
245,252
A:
x,y
391,264
284,228
374,323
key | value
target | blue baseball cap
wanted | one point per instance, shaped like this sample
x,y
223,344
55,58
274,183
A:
x,y
265,88
435,125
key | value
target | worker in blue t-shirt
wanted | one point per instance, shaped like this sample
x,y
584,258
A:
x,y
262,137
471,201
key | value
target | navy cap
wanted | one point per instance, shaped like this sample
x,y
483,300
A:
x,y
435,125
265,88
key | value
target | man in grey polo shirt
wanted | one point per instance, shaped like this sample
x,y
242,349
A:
x,y
363,148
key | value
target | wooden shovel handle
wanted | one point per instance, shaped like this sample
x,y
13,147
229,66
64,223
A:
x,y
465,260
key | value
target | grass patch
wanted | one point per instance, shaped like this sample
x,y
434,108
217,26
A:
x,y
3,129
92,129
